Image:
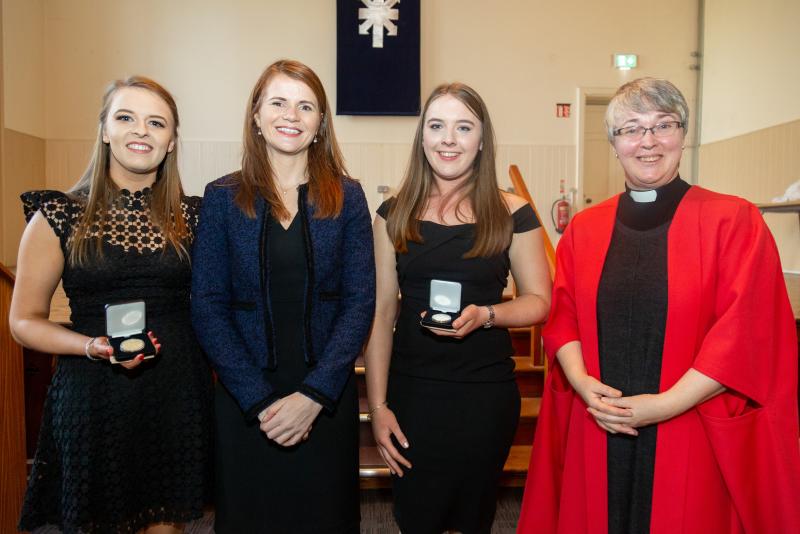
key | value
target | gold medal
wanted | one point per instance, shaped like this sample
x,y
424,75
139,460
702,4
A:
x,y
131,345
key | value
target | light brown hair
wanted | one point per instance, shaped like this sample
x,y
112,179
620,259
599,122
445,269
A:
x,y
98,191
325,162
493,224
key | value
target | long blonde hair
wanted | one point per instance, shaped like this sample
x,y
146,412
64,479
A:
x,y
325,162
98,191
493,224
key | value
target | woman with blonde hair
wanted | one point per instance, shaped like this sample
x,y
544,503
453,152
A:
x,y
122,448
282,299
443,400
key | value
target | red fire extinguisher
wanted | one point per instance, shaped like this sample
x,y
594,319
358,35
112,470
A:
x,y
559,211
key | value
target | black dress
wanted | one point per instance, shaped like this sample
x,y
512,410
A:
x,y
456,401
118,449
632,317
311,488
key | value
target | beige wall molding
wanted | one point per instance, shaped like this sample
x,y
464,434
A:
x,y
23,170
374,164
750,71
759,166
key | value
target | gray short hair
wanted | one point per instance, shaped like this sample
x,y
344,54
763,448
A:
x,y
643,95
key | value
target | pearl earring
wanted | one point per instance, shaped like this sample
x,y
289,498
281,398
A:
x,y
315,139
616,155
259,131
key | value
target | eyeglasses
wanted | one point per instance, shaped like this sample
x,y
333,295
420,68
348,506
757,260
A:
x,y
662,129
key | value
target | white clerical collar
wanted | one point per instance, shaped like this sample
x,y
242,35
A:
x,y
643,196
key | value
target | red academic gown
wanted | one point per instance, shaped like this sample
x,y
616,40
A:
x,y
729,465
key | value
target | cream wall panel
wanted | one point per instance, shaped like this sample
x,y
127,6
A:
x,y
203,161
542,168
759,166
526,55
686,171
519,155
352,156
373,164
750,67
66,162
522,55
23,170
200,162
23,66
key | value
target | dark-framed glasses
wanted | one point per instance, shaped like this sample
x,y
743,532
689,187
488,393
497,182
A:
x,y
662,129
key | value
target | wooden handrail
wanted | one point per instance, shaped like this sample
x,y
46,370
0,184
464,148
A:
x,y
7,274
522,190
12,422
537,350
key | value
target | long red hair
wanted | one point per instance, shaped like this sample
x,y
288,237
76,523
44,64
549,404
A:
x,y
325,162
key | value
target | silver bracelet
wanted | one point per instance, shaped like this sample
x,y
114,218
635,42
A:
x,y
490,322
86,350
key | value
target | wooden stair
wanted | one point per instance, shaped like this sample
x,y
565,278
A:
x,y
530,379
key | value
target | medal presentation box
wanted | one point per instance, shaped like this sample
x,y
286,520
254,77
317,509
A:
x,y
125,328
444,306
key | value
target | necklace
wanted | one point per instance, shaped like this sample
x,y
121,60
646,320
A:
x,y
290,188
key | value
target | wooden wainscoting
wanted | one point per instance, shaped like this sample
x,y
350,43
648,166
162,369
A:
x,y
12,422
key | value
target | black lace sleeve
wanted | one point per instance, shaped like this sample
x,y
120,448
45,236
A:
x,y
59,210
191,213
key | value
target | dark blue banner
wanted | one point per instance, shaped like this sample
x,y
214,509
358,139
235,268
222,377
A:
x,y
377,57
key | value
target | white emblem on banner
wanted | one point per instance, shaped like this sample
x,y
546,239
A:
x,y
378,15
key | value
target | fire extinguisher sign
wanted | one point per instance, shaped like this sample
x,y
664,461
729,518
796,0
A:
x,y
562,111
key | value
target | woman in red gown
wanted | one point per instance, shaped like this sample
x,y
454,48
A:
x,y
671,402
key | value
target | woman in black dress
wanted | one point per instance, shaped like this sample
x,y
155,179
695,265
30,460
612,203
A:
x,y
282,297
444,404
122,448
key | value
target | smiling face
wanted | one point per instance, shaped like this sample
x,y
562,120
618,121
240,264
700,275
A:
x,y
288,116
451,138
649,162
139,131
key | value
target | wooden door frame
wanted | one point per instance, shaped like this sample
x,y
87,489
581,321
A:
x,y
584,94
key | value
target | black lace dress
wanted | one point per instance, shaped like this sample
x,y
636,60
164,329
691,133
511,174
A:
x,y
119,449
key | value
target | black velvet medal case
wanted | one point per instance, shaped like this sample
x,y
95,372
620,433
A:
x,y
125,328
444,305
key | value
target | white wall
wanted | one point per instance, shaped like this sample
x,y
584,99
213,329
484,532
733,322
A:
x,y
751,110
751,70
23,66
523,56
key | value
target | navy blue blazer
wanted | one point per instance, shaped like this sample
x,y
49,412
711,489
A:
x,y
231,310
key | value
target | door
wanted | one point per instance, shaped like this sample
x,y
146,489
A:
x,y
602,174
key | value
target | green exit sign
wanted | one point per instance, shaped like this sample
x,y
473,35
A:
x,y
625,61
